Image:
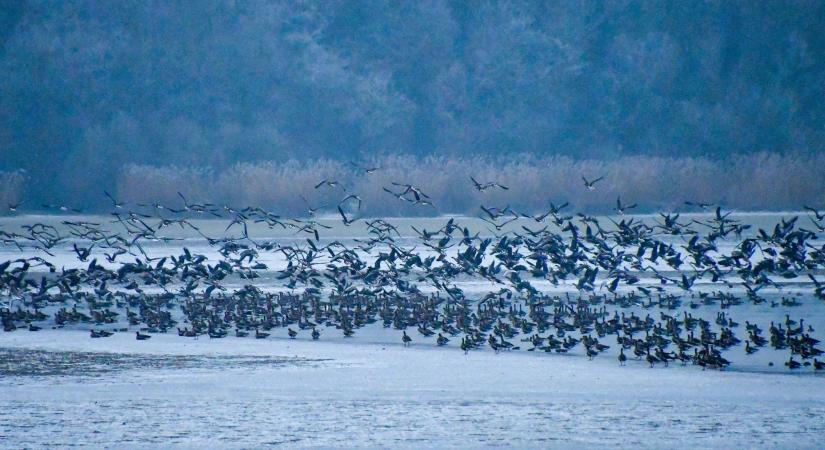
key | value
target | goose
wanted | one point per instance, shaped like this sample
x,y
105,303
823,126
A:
x,y
506,344
819,216
651,359
591,353
156,206
198,208
493,343
186,332
330,183
490,184
347,221
310,210
115,204
418,194
622,357
351,197
499,226
366,170
260,334
405,340
216,334
62,208
818,225
620,208
423,202
701,205
399,196
591,185
292,333
792,364
141,337
664,356
495,213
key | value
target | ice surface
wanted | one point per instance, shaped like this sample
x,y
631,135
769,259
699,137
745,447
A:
x,y
59,388
349,394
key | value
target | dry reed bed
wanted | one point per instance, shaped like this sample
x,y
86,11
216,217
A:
x,y
760,181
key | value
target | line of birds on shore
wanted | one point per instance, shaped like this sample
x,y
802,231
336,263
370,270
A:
x,y
380,279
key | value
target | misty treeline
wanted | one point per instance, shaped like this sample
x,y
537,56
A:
x,y
88,88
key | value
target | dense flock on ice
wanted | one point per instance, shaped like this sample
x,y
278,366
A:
x,y
657,289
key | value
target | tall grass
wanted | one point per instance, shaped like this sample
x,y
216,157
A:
x,y
12,186
762,181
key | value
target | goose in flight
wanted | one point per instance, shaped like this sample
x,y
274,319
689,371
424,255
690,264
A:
x,y
419,197
399,196
591,185
199,208
115,204
347,220
351,197
423,202
488,185
366,170
13,207
554,211
620,208
699,204
818,225
819,216
330,183
313,210
417,192
495,212
62,208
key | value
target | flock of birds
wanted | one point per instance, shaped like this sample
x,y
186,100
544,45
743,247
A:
x,y
610,277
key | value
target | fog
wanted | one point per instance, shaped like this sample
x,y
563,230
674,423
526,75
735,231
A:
x,y
255,102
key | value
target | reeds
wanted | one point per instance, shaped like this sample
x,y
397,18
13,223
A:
x,y
761,181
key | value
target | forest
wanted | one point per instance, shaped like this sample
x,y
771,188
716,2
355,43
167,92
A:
x,y
95,95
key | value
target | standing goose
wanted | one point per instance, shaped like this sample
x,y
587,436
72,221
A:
x,y
441,340
260,334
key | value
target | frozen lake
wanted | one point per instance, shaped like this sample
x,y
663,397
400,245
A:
x,y
59,388
241,393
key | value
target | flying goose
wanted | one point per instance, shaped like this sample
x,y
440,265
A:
x,y
591,185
